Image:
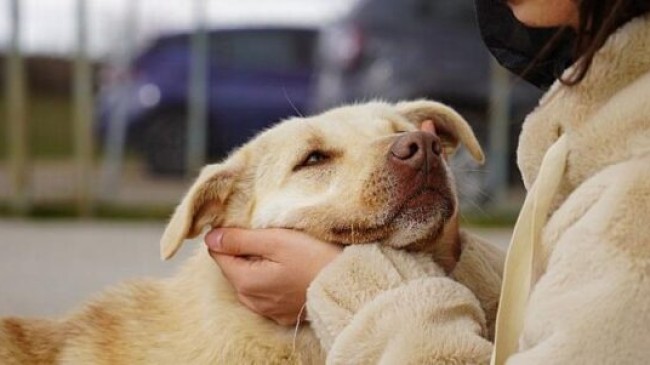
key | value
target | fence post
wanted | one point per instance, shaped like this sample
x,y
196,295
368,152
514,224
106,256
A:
x,y
83,114
16,117
116,132
499,129
197,120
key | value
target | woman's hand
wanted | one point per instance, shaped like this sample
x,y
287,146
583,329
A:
x,y
270,269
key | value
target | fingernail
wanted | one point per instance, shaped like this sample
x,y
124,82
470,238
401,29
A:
x,y
213,239
428,126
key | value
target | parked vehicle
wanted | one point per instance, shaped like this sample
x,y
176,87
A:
x,y
256,76
395,50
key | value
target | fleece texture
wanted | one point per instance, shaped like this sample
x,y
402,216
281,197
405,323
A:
x,y
590,302
375,304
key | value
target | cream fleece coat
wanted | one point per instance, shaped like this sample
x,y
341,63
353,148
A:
x,y
590,303
375,304
591,300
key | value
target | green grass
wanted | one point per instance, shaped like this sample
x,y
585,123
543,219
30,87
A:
x,y
49,119
50,133
107,211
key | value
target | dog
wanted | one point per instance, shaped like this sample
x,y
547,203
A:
x,y
356,174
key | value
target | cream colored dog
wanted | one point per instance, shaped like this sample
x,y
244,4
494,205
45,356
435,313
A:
x,y
356,174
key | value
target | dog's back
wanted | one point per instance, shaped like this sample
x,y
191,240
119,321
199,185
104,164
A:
x,y
192,318
111,329
29,341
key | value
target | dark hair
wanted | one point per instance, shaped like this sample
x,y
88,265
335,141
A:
x,y
598,19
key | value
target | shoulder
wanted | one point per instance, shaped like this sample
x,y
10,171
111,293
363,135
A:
x,y
613,138
631,98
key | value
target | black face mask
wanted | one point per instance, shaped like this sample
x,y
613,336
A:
x,y
515,45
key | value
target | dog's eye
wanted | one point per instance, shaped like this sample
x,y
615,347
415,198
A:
x,y
314,158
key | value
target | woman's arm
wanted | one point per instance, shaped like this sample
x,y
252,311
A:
x,y
375,304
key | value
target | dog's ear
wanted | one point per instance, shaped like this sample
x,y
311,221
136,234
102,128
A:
x,y
203,204
450,126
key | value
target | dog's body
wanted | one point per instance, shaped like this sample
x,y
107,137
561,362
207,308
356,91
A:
x,y
192,318
346,176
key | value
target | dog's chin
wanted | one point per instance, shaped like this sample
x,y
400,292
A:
x,y
421,216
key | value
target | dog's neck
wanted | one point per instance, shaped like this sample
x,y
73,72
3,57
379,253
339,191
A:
x,y
443,245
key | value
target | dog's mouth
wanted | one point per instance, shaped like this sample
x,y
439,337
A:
x,y
426,208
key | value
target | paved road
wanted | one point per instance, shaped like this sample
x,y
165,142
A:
x,y
48,267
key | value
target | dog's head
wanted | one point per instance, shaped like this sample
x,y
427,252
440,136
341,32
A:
x,y
355,174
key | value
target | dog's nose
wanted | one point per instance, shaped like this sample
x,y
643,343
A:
x,y
414,149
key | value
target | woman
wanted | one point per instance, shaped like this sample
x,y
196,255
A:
x,y
590,297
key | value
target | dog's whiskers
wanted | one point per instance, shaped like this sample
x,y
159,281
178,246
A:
x,y
293,106
297,328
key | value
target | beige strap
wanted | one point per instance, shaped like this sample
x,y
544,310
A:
x,y
518,270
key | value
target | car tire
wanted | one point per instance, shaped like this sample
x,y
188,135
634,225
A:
x,y
164,142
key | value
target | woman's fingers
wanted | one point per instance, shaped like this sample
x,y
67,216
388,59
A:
x,y
428,126
270,269
239,242
244,273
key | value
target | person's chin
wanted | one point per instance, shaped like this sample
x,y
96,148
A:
x,y
524,14
533,14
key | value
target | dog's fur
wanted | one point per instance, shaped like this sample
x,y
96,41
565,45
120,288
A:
x,y
349,193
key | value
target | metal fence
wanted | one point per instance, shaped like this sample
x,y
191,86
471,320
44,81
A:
x,y
87,175
90,178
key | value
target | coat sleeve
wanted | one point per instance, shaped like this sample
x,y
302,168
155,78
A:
x,y
591,304
379,305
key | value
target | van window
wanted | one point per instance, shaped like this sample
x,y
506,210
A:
x,y
264,50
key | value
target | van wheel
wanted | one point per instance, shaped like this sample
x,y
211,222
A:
x,y
164,141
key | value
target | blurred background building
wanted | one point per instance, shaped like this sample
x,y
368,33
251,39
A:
x,y
109,107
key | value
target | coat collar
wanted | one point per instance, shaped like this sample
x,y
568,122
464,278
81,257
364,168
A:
x,y
600,115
